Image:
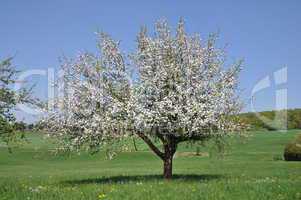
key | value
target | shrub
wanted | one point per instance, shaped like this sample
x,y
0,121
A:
x,y
292,151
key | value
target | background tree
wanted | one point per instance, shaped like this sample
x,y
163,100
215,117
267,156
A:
x,y
290,116
9,99
20,126
30,127
181,91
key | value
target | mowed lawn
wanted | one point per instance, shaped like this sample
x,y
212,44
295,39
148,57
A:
x,y
250,169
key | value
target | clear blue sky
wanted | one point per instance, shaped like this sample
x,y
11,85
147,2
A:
x,y
265,33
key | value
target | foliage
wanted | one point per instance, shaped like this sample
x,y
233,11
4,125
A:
x,y
6,130
30,126
9,99
7,96
293,119
292,151
20,126
181,92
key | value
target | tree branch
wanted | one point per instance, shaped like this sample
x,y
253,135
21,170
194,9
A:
x,y
151,145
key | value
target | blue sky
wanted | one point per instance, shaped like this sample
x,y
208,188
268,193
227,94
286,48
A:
x,y
265,33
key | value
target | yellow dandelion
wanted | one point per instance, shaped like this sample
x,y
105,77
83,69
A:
x,y
101,196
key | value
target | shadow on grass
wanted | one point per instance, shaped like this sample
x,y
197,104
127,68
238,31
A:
x,y
144,178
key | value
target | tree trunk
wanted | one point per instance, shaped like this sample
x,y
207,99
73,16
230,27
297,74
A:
x,y
167,172
169,150
136,149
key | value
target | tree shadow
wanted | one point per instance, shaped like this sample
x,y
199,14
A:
x,y
144,178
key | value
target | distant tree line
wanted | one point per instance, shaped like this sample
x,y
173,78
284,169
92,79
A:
x,y
22,126
291,116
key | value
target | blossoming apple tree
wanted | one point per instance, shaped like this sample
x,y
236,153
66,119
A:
x,y
174,88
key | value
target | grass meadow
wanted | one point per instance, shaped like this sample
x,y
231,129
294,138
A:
x,y
250,169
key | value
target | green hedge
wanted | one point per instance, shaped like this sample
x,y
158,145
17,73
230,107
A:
x,y
292,151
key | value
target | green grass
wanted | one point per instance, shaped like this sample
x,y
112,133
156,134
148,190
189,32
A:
x,y
249,170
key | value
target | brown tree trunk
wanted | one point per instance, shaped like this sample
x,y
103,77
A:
x,y
169,150
167,172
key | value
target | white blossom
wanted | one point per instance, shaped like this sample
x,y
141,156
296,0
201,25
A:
x,y
181,91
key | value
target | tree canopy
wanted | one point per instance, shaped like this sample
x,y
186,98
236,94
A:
x,y
9,99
